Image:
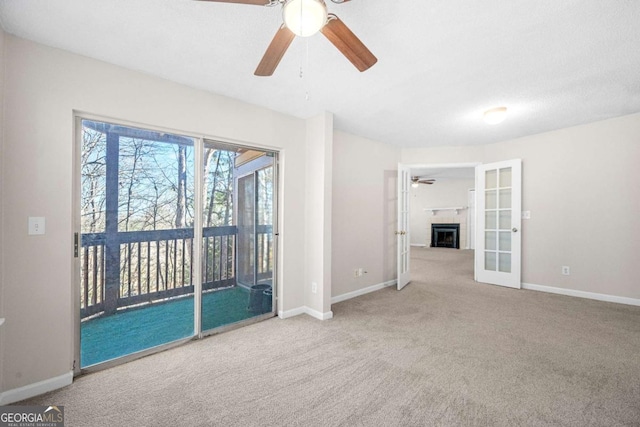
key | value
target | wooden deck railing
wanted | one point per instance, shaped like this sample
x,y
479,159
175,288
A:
x,y
155,265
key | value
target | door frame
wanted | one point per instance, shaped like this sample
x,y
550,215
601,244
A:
x,y
412,166
471,219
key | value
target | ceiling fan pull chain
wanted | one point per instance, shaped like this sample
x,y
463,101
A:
x,y
305,60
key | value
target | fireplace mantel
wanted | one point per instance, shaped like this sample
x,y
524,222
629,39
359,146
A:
x,y
435,210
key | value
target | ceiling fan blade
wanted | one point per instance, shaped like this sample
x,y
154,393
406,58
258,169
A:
x,y
348,43
256,2
275,52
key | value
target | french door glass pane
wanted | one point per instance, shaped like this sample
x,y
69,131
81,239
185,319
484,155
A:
x,y
491,220
505,220
490,240
505,177
505,198
137,205
491,199
491,179
490,261
505,241
504,264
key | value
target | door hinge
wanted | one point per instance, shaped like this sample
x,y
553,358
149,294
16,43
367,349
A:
x,y
76,237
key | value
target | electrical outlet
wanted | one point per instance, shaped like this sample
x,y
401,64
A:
x,y
566,270
314,287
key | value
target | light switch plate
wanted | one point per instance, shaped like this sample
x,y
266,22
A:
x,y
36,225
526,214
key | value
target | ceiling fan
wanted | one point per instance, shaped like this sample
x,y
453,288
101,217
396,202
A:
x,y
415,180
305,18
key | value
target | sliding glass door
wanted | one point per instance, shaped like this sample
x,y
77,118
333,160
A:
x,y
147,279
136,242
238,235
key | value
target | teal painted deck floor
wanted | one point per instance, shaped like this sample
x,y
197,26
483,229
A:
x,y
106,338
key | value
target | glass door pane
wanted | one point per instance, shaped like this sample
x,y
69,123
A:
x,y
246,229
237,235
136,240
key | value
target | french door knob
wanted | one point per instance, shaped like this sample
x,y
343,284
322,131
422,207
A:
x,y
515,230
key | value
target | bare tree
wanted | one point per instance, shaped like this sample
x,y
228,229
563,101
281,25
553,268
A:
x,y
181,207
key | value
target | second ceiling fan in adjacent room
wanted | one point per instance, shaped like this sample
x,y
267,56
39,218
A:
x,y
305,18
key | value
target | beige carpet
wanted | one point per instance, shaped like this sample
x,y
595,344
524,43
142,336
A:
x,y
444,351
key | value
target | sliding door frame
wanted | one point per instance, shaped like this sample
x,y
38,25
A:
x,y
199,140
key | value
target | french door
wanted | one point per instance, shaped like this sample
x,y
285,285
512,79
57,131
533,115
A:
x,y
402,231
498,213
162,246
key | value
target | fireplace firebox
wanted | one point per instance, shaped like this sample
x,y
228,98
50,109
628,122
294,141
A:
x,y
445,236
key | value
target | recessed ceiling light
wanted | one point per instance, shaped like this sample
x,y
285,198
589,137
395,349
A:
x,y
495,115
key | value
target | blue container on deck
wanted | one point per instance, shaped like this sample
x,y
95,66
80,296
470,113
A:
x,y
256,298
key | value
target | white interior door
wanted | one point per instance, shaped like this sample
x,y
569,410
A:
x,y
402,231
498,208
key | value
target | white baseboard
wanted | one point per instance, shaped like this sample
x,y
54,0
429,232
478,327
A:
x,y
582,294
291,313
36,389
419,245
363,291
318,315
305,310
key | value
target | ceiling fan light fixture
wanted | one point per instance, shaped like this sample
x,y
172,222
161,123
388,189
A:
x,y
495,115
415,184
304,17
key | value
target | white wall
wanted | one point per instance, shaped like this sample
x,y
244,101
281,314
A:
x,y
43,88
442,194
2,300
364,212
581,186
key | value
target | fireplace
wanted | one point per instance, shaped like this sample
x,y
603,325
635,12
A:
x,y
445,236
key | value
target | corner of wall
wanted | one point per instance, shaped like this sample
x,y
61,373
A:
x,y
318,180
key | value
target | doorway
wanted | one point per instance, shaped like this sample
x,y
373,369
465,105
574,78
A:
x,y
497,206
166,250
437,196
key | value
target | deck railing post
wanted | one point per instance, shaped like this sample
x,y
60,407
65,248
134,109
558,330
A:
x,y
112,244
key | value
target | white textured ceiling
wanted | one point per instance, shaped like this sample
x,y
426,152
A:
x,y
553,63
